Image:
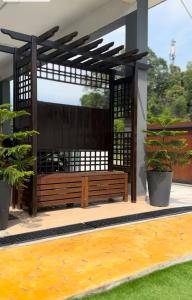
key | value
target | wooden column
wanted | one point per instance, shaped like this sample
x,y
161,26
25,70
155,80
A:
x,y
126,188
111,108
84,199
33,208
134,89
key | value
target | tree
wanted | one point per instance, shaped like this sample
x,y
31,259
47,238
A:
x,y
158,82
165,147
158,76
15,158
179,108
187,78
95,99
155,107
167,93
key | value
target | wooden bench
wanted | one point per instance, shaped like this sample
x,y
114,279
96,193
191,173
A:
x,y
80,187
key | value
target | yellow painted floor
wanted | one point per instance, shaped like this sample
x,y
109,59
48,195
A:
x,y
67,266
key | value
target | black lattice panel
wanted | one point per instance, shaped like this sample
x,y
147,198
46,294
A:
x,y
122,150
72,161
23,89
122,98
22,96
72,75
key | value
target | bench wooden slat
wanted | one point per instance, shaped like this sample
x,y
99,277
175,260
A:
x,y
59,179
58,202
107,182
59,191
58,197
107,177
106,187
107,196
51,186
105,192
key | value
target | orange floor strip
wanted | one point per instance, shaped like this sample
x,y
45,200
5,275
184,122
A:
x,y
58,269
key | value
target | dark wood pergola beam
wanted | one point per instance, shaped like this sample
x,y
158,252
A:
x,y
64,48
117,58
90,54
17,36
82,49
104,55
65,39
102,63
105,67
68,63
46,35
7,49
71,46
96,51
108,65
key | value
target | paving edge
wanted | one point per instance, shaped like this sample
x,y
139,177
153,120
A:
x,y
17,239
106,287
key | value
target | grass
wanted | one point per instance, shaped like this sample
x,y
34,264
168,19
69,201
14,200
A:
x,y
173,283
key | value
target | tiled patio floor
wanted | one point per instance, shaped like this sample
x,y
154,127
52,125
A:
x,y
61,268
181,195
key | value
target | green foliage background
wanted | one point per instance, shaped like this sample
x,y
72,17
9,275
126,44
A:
x,y
169,92
169,89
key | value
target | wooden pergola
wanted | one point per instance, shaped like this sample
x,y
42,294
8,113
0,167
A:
x,y
73,146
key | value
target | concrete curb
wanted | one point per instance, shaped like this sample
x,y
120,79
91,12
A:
x,y
115,283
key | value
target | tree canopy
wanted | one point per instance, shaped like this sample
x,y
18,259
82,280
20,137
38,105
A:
x,y
169,91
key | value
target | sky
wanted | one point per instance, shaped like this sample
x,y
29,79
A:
x,y
167,21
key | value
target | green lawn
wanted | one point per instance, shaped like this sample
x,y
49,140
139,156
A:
x,y
174,283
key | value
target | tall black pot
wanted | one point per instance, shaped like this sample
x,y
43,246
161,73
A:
x,y
159,186
5,200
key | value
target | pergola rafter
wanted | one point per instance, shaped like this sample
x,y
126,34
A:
x,y
61,41
109,53
90,56
70,47
61,58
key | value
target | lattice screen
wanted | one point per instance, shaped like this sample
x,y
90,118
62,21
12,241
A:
x,y
122,149
122,99
71,75
122,108
72,161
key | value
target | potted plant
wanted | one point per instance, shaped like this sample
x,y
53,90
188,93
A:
x,y
164,149
15,160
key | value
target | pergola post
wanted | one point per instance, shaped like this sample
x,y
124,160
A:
x,y
5,99
111,109
34,120
137,38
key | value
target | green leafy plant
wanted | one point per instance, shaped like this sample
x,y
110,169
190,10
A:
x,y
15,157
164,147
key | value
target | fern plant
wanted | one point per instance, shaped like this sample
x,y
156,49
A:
x,y
15,157
164,147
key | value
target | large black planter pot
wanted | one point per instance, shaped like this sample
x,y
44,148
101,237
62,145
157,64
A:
x,y
159,186
5,199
